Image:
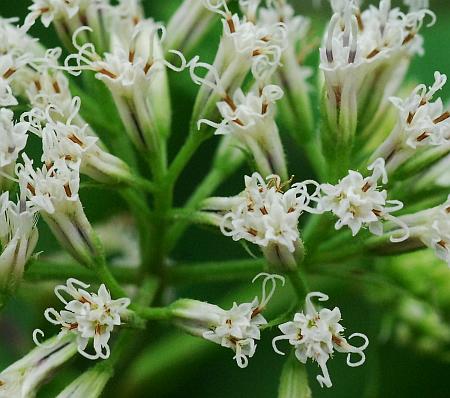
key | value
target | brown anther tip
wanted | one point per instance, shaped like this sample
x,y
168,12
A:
x,y
38,85
366,187
106,72
67,190
11,149
264,108
360,21
238,122
230,102
443,244
136,20
410,117
56,87
377,212
263,210
252,231
231,25
422,136
147,67
131,56
447,210
9,73
441,118
373,53
73,326
72,137
408,38
337,340
256,52
256,312
31,189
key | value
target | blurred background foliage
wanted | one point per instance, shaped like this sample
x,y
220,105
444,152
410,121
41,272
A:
x,y
177,366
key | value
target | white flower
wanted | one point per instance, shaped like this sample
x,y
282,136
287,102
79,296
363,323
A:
x,y
23,378
236,328
256,46
250,119
73,145
266,216
421,123
18,239
316,334
87,315
432,227
53,190
16,41
13,138
359,45
90,384
8,68
358,202
135,73
50,10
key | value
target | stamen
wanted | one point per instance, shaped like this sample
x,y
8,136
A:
x,y
106,72
441,118
423,136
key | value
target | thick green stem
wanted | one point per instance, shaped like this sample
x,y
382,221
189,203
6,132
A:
x,y
206,188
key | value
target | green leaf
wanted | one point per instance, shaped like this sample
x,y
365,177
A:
x,y
294,380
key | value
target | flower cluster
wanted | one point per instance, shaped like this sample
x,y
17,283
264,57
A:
x,y
236,328
421,123
358,202
266,215
87,315
371,152
317,334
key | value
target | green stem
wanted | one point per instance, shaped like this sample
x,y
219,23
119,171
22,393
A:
x,y
41,270
299,284
105,275
215,271
206,188
154,313
193,142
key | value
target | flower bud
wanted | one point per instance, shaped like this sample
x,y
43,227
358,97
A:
x,y
22,378
18,239
90,384
294,380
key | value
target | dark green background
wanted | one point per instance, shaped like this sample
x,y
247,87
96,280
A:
x,y
389,372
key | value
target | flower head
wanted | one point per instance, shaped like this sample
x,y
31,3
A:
x,y
250,119
236,328
316,334
266,215
358,202
87,315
